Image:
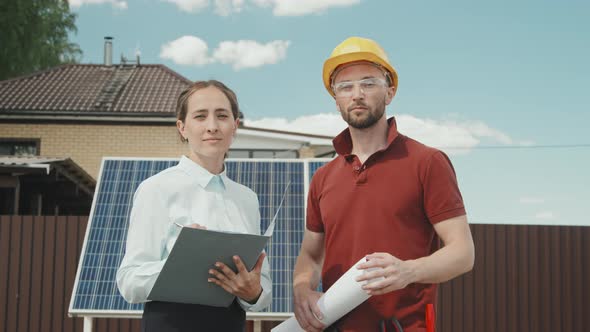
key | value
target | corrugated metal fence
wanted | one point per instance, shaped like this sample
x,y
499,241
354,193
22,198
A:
x,y
526,278
38,259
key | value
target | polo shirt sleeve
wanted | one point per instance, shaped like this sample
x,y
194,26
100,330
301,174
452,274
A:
x,y
442,198
314,221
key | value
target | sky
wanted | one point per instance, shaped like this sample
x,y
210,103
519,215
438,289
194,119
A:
x,y
500,86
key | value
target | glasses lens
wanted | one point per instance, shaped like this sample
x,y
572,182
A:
x,y
367,85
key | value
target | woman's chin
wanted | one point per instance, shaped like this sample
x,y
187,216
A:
x,y
212,152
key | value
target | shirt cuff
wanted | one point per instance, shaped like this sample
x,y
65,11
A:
x,y
445,215
155,273
262,302
136,287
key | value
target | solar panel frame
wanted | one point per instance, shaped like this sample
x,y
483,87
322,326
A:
x,y
144,167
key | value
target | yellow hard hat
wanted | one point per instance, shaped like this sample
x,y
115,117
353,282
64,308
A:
x,y
356,49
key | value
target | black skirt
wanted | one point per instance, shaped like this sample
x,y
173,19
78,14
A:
x,y
181,317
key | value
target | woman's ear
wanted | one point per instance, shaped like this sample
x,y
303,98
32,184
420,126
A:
x,y
180,127
236,125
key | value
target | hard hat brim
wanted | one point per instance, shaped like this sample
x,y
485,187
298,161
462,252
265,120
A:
x,y
334,62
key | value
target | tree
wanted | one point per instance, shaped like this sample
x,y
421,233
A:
x,y
34,36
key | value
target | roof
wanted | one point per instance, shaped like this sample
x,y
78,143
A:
x,y
289,132
26,160
101,93
35,164
286,135
94,90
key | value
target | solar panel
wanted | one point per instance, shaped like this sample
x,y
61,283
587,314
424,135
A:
x,y
313,167
95,288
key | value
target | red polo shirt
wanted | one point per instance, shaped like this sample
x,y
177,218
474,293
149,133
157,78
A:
x,y
388,204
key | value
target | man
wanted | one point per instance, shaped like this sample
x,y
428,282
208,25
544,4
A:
x,y
386,197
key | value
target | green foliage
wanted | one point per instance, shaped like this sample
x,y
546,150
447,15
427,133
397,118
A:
x,y
34,36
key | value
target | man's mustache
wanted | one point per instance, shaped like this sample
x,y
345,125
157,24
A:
x,y
357,105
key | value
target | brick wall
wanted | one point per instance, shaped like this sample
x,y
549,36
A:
x,y
86,144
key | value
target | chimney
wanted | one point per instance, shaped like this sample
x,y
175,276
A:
x,y
137,54
108,51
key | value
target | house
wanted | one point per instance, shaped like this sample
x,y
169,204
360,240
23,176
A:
x,y
80,113
87,111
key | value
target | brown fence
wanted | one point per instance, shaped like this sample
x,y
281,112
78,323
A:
x,y
38,259
526,278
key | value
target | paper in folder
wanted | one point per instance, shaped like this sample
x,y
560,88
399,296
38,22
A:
x,y
184,276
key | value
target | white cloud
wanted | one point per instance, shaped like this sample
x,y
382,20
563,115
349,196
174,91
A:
x,y
321,124
480,129
302,7
531,200
241,54
440,134
186,50
279,7
249,53
228,7
191,6
455,137
545,215
119,4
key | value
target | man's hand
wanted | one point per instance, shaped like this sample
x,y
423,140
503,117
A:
x,y
307,311
243,284
392,272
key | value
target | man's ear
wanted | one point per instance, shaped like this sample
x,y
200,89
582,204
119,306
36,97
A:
x,y
390,94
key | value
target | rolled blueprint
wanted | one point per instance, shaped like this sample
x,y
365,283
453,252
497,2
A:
x,y
344,295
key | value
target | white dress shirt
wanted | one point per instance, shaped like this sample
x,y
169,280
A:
x,y
184,194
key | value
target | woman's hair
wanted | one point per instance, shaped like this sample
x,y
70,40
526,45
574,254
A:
x,y
182,103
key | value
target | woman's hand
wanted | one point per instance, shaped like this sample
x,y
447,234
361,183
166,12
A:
x,y
197,226
243,284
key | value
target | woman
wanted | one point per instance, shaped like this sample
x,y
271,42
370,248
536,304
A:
x,y
195,193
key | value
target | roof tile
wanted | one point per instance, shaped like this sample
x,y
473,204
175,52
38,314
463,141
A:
x,y
88,89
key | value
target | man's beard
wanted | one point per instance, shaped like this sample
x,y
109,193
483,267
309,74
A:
x,y
372,115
